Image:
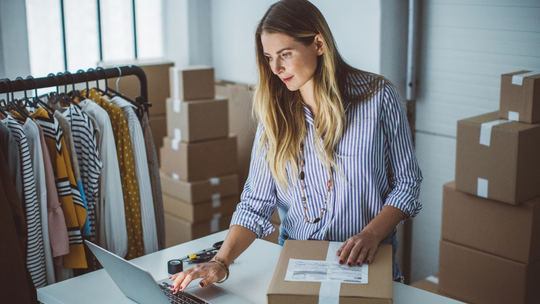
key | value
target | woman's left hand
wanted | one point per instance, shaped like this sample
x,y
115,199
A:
x,y
359,249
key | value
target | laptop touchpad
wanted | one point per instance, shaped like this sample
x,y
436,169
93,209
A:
x,y
209,293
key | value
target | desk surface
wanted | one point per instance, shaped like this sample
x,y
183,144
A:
x,y
250,277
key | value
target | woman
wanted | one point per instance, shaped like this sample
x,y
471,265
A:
x,y
333,149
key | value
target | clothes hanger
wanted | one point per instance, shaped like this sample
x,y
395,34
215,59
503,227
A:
x,y
90,70
56,95
26,101
65,98
139,110
3,103
13,105
81,71
101,69
74,92
36,100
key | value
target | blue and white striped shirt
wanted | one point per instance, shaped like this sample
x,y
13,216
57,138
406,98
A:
x,y
377,159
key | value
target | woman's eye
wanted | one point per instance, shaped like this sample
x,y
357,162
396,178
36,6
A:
x,y
268,58
286,55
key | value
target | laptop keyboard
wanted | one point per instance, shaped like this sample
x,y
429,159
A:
x,y
180,297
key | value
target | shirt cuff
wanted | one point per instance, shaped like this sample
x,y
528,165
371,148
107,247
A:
x,y
253,222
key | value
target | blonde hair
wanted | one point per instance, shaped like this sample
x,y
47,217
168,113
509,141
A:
x,y
281,111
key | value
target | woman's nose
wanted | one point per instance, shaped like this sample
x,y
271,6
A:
x,y
277,67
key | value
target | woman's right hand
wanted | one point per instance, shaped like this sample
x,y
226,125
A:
x,y
210,273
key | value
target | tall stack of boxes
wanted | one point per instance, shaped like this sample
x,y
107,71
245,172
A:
x,y
490,244
198,158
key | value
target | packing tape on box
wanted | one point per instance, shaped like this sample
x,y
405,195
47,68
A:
x,y
518,79
329,291
482,187
175,176
178,134
176,105
214,223
485,131
513,116
214,181
176,88
174,143
433,279
216,200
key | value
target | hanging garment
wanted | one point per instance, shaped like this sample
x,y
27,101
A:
x,y
35,256
112,231
65,126
130,187
153,167
58,234
12,154
143,177
15,287
85,148
36,154
68,192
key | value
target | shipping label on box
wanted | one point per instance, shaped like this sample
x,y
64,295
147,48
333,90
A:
x,y
201,211
477,277
378,290
498,159
512,232
192,83
199,191
192,121
520,96
198,161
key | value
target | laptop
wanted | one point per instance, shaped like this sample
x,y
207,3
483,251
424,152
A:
x,y
138,284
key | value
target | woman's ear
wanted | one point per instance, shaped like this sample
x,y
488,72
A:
x,y
319,44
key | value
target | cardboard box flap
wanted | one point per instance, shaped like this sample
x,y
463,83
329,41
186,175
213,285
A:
x,y
380,273
493,116
536,75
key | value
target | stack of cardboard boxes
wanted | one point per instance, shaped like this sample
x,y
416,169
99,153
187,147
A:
x,y
490,247
198,158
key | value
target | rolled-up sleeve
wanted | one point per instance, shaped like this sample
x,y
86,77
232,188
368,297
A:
x,y
258,199
405,175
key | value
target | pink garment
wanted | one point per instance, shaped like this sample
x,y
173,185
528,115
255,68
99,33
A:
x,y
57,224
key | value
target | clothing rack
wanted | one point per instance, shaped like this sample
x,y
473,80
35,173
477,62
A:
x,y
82,77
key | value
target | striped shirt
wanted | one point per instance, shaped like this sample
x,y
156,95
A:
x,y
379,167
88,158
35,259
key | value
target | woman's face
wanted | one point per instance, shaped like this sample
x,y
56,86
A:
x,y
290,60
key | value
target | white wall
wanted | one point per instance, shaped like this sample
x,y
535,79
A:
x,y
356,26
466,46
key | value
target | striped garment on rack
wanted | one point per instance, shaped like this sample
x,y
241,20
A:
x,y
88,156
68,192
35,258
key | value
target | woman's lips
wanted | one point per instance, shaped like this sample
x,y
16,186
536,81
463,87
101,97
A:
x,y
285,80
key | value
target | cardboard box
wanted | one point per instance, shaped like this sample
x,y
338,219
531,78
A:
x,y
201,211
512,232
192,121
478,277
501,161
199,161
157,77
199,191
520,96
379,289
192,83
428,284
178,231
241,122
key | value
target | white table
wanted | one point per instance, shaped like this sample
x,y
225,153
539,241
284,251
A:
x,y
250,277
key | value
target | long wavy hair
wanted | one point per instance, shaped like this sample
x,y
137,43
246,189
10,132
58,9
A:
x,y
281,110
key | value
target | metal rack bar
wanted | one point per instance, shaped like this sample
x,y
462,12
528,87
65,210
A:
x,y
46,82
